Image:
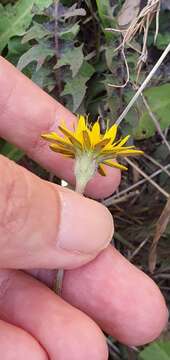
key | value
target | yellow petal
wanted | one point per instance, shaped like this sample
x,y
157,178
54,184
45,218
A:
x,y
86,138
53,136
111,133
115,164
61,150
95,133
123,141
71,137
57,140
81,126
129,152
101,144
81,123
101,170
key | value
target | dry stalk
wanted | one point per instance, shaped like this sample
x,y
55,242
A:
x,y
160,229
140,23
110,200
137,250
162,191
122,198
143,85
155,162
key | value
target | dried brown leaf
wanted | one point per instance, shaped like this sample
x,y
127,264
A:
x,y
160,228
128,12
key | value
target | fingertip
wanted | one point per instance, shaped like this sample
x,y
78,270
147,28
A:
x,y
15,342
86,226
101,187
124,301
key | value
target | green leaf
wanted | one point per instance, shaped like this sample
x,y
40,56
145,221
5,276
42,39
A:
x,y
37,53
162,40
44,78
73,57
16,19
159,102
68,12
159,350
12,152
76,87
37,32
69,33
40,5
16,49
105,12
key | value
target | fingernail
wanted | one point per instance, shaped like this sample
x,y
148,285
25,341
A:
x,y
85,225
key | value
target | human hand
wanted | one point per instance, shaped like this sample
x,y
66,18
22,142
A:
x,y
44,226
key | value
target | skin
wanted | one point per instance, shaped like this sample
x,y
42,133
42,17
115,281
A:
x,y
44,227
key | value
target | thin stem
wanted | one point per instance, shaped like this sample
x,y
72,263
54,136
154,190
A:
x,y
165,193
142,87
109,201
79,188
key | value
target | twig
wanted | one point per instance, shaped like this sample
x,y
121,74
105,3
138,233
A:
x,y
140,182
59,282
140,23
144,84
160,229
126,197
127,72
130,258
123,241
114,351
157,163
162,191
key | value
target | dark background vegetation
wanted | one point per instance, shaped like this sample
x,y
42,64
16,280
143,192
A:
x,y
65,48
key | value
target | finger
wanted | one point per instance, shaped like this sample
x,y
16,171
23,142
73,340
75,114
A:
x,y
27,112
64,332
124,301
15,342
43,225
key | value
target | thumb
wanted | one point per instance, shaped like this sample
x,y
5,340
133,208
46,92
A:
x,y
45,225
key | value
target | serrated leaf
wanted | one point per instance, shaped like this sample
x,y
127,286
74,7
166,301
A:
x,y
37,32
69,33
66,12
40,5
76,87
43,78
159,101
159,350
72,57
37,53
16,19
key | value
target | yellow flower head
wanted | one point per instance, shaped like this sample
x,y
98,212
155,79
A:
x,y
91,149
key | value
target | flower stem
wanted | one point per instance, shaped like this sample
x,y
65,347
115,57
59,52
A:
x,y
80,188
85,168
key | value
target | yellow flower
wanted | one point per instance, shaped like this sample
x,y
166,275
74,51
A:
x,y
91,149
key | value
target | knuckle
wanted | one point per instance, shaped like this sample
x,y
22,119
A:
x,y
5,99
14,194
5,283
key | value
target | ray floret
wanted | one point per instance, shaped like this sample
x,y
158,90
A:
x,y
91,150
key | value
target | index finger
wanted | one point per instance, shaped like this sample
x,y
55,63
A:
x,y
26,112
